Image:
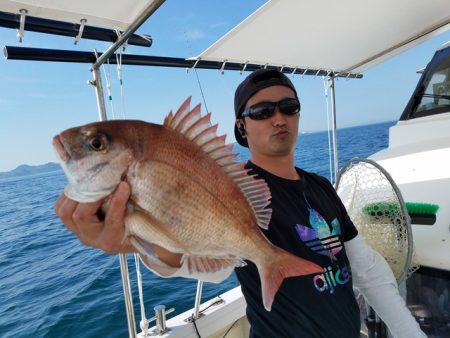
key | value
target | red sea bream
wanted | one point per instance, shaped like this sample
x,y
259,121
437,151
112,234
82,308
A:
x,y
188,195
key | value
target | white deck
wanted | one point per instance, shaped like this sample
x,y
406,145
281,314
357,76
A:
x,y
214,322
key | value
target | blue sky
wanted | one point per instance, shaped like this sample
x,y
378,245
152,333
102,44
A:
x,y
40,99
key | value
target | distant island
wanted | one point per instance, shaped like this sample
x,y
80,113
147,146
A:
x,y
25,170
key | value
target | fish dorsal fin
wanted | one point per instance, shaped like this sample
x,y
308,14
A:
x,y
199,130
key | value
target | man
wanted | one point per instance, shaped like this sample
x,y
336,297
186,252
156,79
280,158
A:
x,y
308,220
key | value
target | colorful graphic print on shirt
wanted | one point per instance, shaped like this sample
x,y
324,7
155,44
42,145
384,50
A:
x,y
324,240
319,238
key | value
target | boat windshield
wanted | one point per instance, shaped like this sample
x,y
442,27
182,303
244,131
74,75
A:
x,y
432,95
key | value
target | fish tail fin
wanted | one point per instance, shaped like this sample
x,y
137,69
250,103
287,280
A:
x,y
283,266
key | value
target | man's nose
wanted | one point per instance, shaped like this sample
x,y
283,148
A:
x,y
278,118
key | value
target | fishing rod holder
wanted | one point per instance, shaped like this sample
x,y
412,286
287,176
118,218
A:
x,y
23,22
73,56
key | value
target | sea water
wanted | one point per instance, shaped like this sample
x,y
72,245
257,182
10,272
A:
x,y
53,286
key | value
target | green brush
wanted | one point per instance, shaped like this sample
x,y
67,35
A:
x,y
420,213
422,208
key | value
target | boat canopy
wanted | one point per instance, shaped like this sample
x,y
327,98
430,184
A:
x,y
344,36
99,13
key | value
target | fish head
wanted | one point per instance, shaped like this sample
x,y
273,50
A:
x,y
94,157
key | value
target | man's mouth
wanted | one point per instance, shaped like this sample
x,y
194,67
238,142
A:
x,y
281,132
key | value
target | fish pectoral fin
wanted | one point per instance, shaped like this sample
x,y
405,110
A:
x,y
148,229
148,255
145,248
202,264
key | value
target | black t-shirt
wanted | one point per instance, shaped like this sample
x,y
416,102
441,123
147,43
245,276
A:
x,y
310,221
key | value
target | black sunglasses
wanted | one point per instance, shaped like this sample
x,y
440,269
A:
x,y
264,110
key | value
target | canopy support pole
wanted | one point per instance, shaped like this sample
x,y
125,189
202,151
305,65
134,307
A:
x,y
97,82
154,5
333,115
128,297
102,114
115,46
198,299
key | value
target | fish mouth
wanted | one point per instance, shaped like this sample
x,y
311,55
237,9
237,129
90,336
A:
x,y
60,150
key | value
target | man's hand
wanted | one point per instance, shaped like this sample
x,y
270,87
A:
x,y
109,236
82,220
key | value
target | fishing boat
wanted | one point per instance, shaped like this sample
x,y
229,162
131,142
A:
x,y
418,159
321,42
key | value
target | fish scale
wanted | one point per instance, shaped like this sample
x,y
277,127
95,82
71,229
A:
x,y
189,168
184,217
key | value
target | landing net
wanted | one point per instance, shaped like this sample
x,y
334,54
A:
x,y
376,207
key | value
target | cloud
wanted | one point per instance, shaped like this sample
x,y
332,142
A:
x,y
22,80
218,25
194,34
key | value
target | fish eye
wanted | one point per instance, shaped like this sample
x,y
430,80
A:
x,y
97,143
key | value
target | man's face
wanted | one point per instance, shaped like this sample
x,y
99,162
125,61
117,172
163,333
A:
x,y
276,135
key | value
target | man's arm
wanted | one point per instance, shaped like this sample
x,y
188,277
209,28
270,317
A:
x,y
373,277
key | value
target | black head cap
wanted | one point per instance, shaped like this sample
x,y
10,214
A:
x,y
253,83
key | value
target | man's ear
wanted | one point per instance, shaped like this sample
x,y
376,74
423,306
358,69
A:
x,y
240,127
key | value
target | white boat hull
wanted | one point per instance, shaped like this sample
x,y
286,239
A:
x,y
418,159
227,317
